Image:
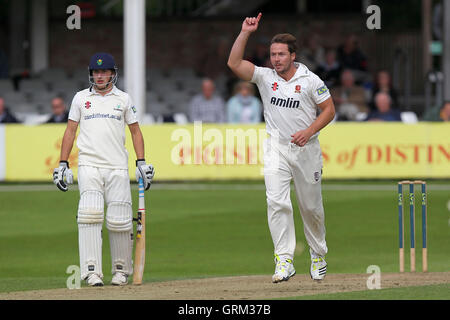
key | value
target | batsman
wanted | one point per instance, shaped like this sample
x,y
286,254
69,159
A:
x,y
101,111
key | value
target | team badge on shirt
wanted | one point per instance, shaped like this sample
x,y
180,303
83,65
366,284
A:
x,y
322,90
298,88
118,108
274,86
87,105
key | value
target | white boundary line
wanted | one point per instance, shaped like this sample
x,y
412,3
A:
x,y
233,186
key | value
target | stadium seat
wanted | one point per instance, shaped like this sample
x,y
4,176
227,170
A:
x,y
180,118
6,85
409,117
14,97
65,87
155,74
81,75
156,108
361,116
32,118
148,119
177,99
53,74
163,87
152,97
182,74
43,102
23,107
33,85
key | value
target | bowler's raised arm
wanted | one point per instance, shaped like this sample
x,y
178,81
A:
x,y
242,68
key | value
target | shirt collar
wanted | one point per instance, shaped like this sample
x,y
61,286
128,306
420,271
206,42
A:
x,y
302,71
114,91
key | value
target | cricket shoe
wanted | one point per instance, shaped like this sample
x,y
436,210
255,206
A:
x,y
119,279
284,269
94,280
318,269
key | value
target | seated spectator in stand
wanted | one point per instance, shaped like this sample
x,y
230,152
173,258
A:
x,y
444,115
383,83
330,70
351,57
59,112
349,99
384,110
207,106
244,107
437,112
5,115
312,54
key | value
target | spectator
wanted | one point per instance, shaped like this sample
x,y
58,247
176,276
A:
x,y
5,115
59,111
383,83
384,111
349,99
244,107
313,54
444,115
351,57
207,106
330,70
437,112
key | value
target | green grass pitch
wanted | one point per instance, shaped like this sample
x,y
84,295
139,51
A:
x,y
219,229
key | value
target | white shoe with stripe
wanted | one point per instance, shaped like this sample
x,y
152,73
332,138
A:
x,y
318,268
119,279
284,269
94,280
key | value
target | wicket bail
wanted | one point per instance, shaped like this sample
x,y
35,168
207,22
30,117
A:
x,y
412,225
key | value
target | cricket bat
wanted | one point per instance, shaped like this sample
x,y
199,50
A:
x,y
139,255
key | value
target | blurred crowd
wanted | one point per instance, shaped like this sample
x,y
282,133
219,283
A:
x,y
60,112
358,94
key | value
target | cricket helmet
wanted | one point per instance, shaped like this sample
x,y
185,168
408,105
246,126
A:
x,y
102,61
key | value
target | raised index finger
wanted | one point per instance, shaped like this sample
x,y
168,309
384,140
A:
x,y
258,17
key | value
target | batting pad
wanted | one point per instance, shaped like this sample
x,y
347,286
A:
x,y
91,207
121,244
90,247
119,216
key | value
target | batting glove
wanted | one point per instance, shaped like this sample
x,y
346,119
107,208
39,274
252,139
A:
x,y
62,173
144,171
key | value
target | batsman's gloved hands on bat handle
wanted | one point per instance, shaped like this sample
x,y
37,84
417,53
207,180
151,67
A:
x,y
144,171
63,176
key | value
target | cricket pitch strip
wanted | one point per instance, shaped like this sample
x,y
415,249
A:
x,y
233,288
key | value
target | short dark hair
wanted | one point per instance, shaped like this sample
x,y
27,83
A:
x,y
286,38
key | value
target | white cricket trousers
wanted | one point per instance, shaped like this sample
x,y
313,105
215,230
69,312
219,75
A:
x,y
303,165
99,186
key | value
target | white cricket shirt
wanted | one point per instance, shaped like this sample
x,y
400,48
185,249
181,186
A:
x,y
102,120
289,106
